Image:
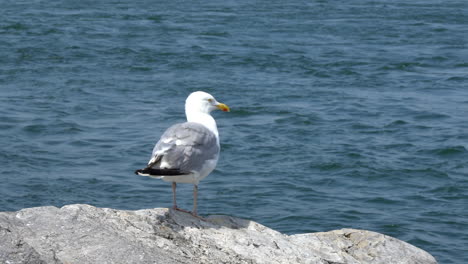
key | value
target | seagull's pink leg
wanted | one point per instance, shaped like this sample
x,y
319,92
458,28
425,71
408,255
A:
x,y
195,196
174,202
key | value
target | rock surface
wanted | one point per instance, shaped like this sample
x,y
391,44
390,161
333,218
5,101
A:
x,y
86,234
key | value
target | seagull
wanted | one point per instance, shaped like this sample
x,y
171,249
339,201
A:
x,y
188,152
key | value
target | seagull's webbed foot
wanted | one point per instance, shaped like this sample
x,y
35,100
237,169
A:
x,y
194,214
181,210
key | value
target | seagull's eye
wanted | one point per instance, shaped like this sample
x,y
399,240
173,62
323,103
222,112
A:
x,y
210,100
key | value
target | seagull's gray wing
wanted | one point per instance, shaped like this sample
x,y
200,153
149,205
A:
x,y
185,147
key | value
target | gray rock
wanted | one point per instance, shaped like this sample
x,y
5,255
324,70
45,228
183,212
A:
x,y
86,234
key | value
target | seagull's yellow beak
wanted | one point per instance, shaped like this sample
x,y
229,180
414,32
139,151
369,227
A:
x,y
223,107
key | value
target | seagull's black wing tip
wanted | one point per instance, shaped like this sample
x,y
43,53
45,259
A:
x,y
161,172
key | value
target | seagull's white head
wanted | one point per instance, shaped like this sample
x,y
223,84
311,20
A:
x,y
201,102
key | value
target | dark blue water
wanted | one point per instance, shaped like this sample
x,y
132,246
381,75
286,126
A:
x,y
344,113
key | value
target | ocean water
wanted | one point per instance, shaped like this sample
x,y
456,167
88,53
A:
x,y
344,113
